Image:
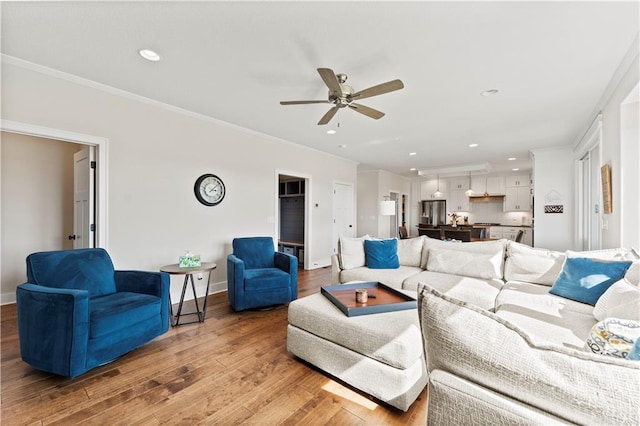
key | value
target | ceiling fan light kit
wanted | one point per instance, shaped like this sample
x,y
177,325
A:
x,y
342,95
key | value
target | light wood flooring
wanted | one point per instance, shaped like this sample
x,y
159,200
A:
x,y
232,369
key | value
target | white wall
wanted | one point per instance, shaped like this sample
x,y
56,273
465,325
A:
x,y
630,170
155,155
37,201
373,185
611,148
554,174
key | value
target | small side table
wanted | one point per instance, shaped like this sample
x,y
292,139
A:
x,y
174,269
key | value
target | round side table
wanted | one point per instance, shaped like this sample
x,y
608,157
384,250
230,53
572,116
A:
x,y
174,269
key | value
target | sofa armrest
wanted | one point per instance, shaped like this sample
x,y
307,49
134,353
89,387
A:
x,y
153,283
335,269
53,325
573,385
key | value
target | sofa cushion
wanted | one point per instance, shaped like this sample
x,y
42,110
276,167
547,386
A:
x,y
543,316
391,277
410,251
265,278
584,279
621,300
480,292
495,249
483,348
382,254
533,265
83,269
115,313
391,338
478,265
351,252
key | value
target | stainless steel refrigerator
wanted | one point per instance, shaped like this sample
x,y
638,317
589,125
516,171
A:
x,y
434,212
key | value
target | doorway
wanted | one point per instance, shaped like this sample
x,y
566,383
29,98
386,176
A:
x,y
589,192
292,213
101,158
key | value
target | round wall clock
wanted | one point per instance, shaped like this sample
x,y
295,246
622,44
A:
x,y
209,189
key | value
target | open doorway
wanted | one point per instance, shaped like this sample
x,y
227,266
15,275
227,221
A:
x,y
101,158
292,214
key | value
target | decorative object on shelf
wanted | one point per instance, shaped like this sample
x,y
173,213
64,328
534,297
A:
x,y
438,194
209,189
387,207
454,219
189,260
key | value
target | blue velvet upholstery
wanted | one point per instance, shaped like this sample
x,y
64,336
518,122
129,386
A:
x,y
76,312
258,276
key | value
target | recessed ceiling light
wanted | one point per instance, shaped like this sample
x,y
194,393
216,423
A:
x,y
412,153
489,92
511,158
331,132
473,145
413,169
149,55
342,146
516,169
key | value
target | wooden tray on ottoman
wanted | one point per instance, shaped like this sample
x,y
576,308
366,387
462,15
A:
x,y
387,299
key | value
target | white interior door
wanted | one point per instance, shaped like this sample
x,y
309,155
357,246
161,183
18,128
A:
x,y
83,198
343,213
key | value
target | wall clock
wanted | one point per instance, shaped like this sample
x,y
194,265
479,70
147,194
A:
x,y
209,189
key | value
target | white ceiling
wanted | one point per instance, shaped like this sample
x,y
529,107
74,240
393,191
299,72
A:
x,y
234,61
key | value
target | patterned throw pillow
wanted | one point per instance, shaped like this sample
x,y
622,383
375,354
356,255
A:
x,y
613,337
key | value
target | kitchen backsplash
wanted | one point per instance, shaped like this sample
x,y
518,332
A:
x,y
492,213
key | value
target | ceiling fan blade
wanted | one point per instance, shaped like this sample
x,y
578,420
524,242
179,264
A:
x,y
302,102
369,112
380,89
330,79
328,116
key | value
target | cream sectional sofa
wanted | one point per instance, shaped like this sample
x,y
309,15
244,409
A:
x,y
499,348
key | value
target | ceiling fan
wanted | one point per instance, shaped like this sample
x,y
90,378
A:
x,y
342,95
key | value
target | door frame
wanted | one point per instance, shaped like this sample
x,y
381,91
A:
x,y
102,155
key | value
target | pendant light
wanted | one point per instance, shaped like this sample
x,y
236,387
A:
x,y
469,192
438,194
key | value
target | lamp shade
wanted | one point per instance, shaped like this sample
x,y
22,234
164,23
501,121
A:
x,y
387,208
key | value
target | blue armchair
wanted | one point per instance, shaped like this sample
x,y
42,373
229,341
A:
x,y
76,312
258,276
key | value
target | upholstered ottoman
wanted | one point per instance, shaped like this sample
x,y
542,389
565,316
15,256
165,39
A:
x,y
380,354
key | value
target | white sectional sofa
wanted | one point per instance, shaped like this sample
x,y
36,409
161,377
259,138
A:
x,y
499,347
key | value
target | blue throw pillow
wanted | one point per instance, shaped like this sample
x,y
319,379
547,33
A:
x,y
634,353
585,280
382,254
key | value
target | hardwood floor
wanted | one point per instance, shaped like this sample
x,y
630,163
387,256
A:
x,y
232,369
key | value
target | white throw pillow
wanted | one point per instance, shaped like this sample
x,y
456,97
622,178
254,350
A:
x,y
482,247
410,251
351,252
621,300
478,265
532,265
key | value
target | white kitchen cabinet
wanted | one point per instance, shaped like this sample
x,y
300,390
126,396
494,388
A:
x,y
495,185
518,199
518,180
458,183
428,187
492,185
458,201
511,232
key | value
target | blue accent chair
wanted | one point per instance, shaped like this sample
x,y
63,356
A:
x,y
258,276
76,312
